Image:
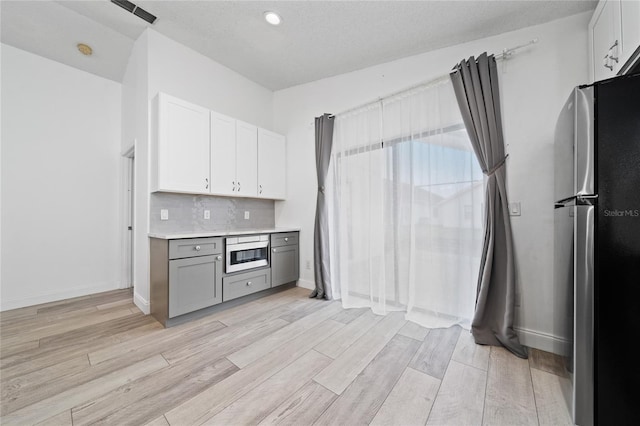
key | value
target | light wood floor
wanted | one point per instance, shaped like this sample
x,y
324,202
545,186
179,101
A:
x,y
281,359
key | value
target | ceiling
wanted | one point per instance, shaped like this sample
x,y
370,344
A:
x,y
316,39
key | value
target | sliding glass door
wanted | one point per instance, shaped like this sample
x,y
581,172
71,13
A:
x,y
406,207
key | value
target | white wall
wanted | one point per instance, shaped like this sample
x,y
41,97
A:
x,y
535,84
60,174
159,64
135,134
186,74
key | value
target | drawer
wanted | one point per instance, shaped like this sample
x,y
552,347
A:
x,y
242,284
284,239
192,247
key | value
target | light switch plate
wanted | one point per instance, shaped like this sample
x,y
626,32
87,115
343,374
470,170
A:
x,y
514,209
246,215
164,214
207,214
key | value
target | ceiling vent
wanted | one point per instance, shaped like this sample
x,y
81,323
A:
x,y
138,11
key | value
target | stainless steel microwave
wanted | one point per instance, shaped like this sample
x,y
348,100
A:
x,y
248,252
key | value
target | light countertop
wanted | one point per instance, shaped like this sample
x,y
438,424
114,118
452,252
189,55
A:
x,y
203,234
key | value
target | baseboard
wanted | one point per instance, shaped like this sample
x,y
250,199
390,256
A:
x,y
543,341
141,303
311,285
7,304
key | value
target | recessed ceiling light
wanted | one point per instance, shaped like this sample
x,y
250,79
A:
x,y
85,49
272,18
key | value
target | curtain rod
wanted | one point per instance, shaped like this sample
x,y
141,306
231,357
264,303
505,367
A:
x,y
506,54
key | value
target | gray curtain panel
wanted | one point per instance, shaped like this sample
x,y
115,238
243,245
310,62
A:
x,y
324,140
475,82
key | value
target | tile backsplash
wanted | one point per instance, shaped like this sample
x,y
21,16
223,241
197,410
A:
x,y
186,213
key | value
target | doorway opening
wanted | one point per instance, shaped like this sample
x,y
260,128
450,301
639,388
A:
x,y
129,208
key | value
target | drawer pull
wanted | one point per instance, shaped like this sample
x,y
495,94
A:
x,y
249,283
197,248
274,250
286,239
219,258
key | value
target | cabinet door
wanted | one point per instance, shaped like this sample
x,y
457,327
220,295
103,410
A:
x,y
271,165
183,146
223,154
630,13
606,33
194,283
246,159
284,265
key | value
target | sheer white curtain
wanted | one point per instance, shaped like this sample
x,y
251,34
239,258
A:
x,y
405,198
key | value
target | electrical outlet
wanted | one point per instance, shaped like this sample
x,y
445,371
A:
x,y
308,264
164,214
246,215
207,214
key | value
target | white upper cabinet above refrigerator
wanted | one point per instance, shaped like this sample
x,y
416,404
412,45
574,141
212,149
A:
x,y
181,158
630,18
614,38
271,165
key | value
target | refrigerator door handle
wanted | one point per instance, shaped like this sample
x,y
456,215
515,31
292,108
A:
x,y
566,202
583,378
586,200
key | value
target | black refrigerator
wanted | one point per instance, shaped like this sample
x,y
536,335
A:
x,y
597,248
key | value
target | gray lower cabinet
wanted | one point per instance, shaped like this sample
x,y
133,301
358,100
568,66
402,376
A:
x,y
194,283
185,276
238,285
285,260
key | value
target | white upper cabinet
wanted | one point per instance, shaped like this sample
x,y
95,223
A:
x,y
630,17
182,154
201,151
234,157
246,159
614,37
271,165
223,154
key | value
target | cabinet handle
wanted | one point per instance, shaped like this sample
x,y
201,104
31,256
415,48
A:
x,y
274,250
219,258
238,186
286,239
207,181
249,283
260,188
610,54
605,63
197,248
234,186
